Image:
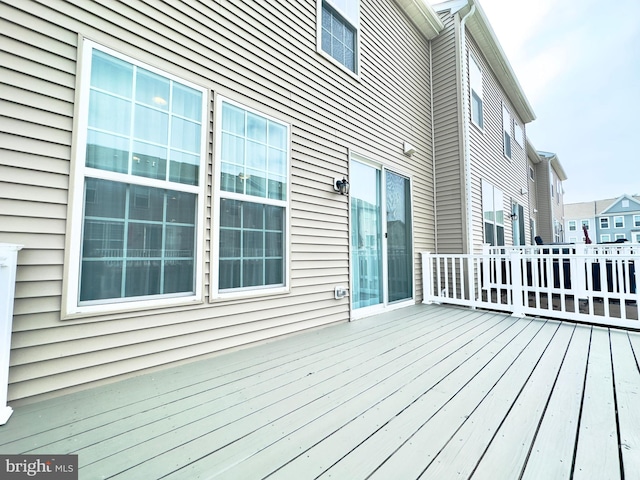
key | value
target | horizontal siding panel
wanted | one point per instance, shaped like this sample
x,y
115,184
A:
x,y
33,209
30,177
26,290
31,225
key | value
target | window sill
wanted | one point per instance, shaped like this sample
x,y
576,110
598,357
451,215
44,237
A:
x,y
354,75
248,294
128,307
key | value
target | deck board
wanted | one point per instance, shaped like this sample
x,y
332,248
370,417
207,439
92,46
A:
x,y
597,449
421,392
627,389
551,454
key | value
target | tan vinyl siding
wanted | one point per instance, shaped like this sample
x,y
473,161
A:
x,y
261,54
487,157
447,140
545,207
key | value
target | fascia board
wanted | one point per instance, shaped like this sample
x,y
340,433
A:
x,y
481,31
423,16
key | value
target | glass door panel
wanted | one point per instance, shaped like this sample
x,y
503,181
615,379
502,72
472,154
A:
x,y
399,241
366,235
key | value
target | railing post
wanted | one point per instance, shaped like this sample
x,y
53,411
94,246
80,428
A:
x,y
8,264
471,278
579,273
427,278
517,290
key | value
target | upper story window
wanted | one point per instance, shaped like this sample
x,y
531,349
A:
x,y
604,222
572,225
586,223
139,184
506,128
532,174
493,214
253,199
475,85
518,133
338,31
618,222
636,220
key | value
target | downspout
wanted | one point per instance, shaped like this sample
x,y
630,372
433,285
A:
x,y
433,151
465,127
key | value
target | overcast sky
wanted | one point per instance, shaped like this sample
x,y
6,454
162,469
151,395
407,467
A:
x,y
578,62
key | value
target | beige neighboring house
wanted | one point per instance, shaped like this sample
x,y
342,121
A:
x,y
546,194
172,171
579,214
480,113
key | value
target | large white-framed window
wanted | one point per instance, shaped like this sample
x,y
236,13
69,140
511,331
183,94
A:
x,y
138,190
604,223
475,87
620,236
636,220
506,129
585,223
251,224
572,225
605,237
618,221
493,214
339,32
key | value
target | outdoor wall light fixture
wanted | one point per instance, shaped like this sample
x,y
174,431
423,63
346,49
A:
x,y
514,216
341,186
408,149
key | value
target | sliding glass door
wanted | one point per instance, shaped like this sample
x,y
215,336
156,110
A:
x,y
381,237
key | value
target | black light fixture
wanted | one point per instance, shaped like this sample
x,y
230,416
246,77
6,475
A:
x,y
341,186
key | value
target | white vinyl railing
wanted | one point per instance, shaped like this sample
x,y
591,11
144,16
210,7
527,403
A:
x,y
563,282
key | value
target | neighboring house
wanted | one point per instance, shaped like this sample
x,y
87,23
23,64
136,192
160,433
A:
x,y
169,169
546,175
480,112
620,221
608,220
578,215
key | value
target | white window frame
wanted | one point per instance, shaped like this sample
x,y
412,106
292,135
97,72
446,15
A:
x,y
351,16
572,225
585,222
636,237
476,88
518,133
71,285
602,226
615,221
214,291
605,237
507,137
489,188
620,236
532,174
625,203
636,220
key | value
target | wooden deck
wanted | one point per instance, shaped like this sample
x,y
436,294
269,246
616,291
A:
x,y
426,392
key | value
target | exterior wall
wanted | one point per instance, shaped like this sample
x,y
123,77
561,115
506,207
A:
x,y
261,54
545,205
533,203
557,205
487,158
449,161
